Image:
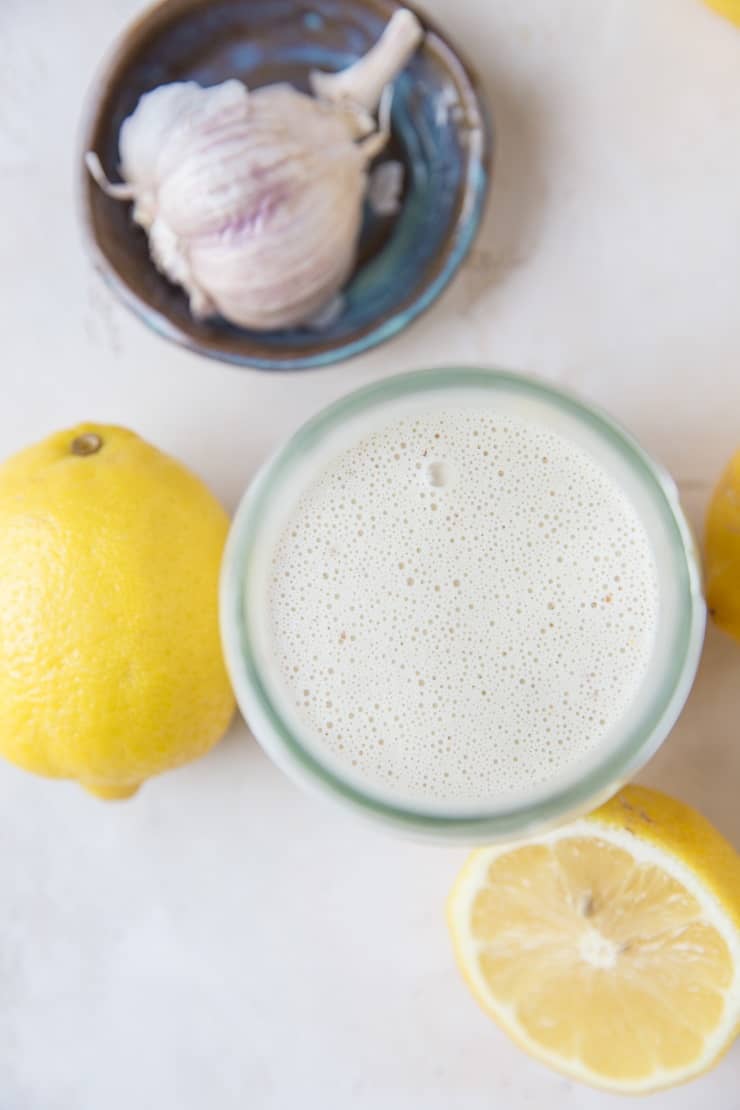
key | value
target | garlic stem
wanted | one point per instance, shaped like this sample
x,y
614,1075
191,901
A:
x,y
363,82
118,192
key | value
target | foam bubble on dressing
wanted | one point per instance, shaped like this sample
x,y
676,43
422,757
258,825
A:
x,y
461,606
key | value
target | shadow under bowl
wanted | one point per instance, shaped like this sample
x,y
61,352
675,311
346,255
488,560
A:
x,y
440,133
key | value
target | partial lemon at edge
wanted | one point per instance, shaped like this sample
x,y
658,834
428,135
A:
x,y
722,569
609,948
730,9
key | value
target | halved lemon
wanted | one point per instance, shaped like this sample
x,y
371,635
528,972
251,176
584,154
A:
x,y
609,948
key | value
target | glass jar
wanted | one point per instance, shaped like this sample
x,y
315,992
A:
x,y
681,610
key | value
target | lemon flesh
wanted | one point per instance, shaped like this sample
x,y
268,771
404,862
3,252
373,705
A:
x,y
610,948
111,668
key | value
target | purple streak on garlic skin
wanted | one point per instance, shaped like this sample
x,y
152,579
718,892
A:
x,y
254,221
253,201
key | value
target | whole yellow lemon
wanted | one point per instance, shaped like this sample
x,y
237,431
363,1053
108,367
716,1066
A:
x,y
723,550
728,8
111,668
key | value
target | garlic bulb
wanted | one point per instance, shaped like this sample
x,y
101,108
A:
x,y
252,200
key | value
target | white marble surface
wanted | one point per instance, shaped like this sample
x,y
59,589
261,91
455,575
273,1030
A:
x,y
224,941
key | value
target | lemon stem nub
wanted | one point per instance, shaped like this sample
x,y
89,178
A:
x,y
87,444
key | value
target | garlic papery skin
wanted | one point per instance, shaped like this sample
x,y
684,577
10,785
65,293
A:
x,y
252,201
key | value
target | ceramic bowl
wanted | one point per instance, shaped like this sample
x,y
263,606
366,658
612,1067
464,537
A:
x,y
439,132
